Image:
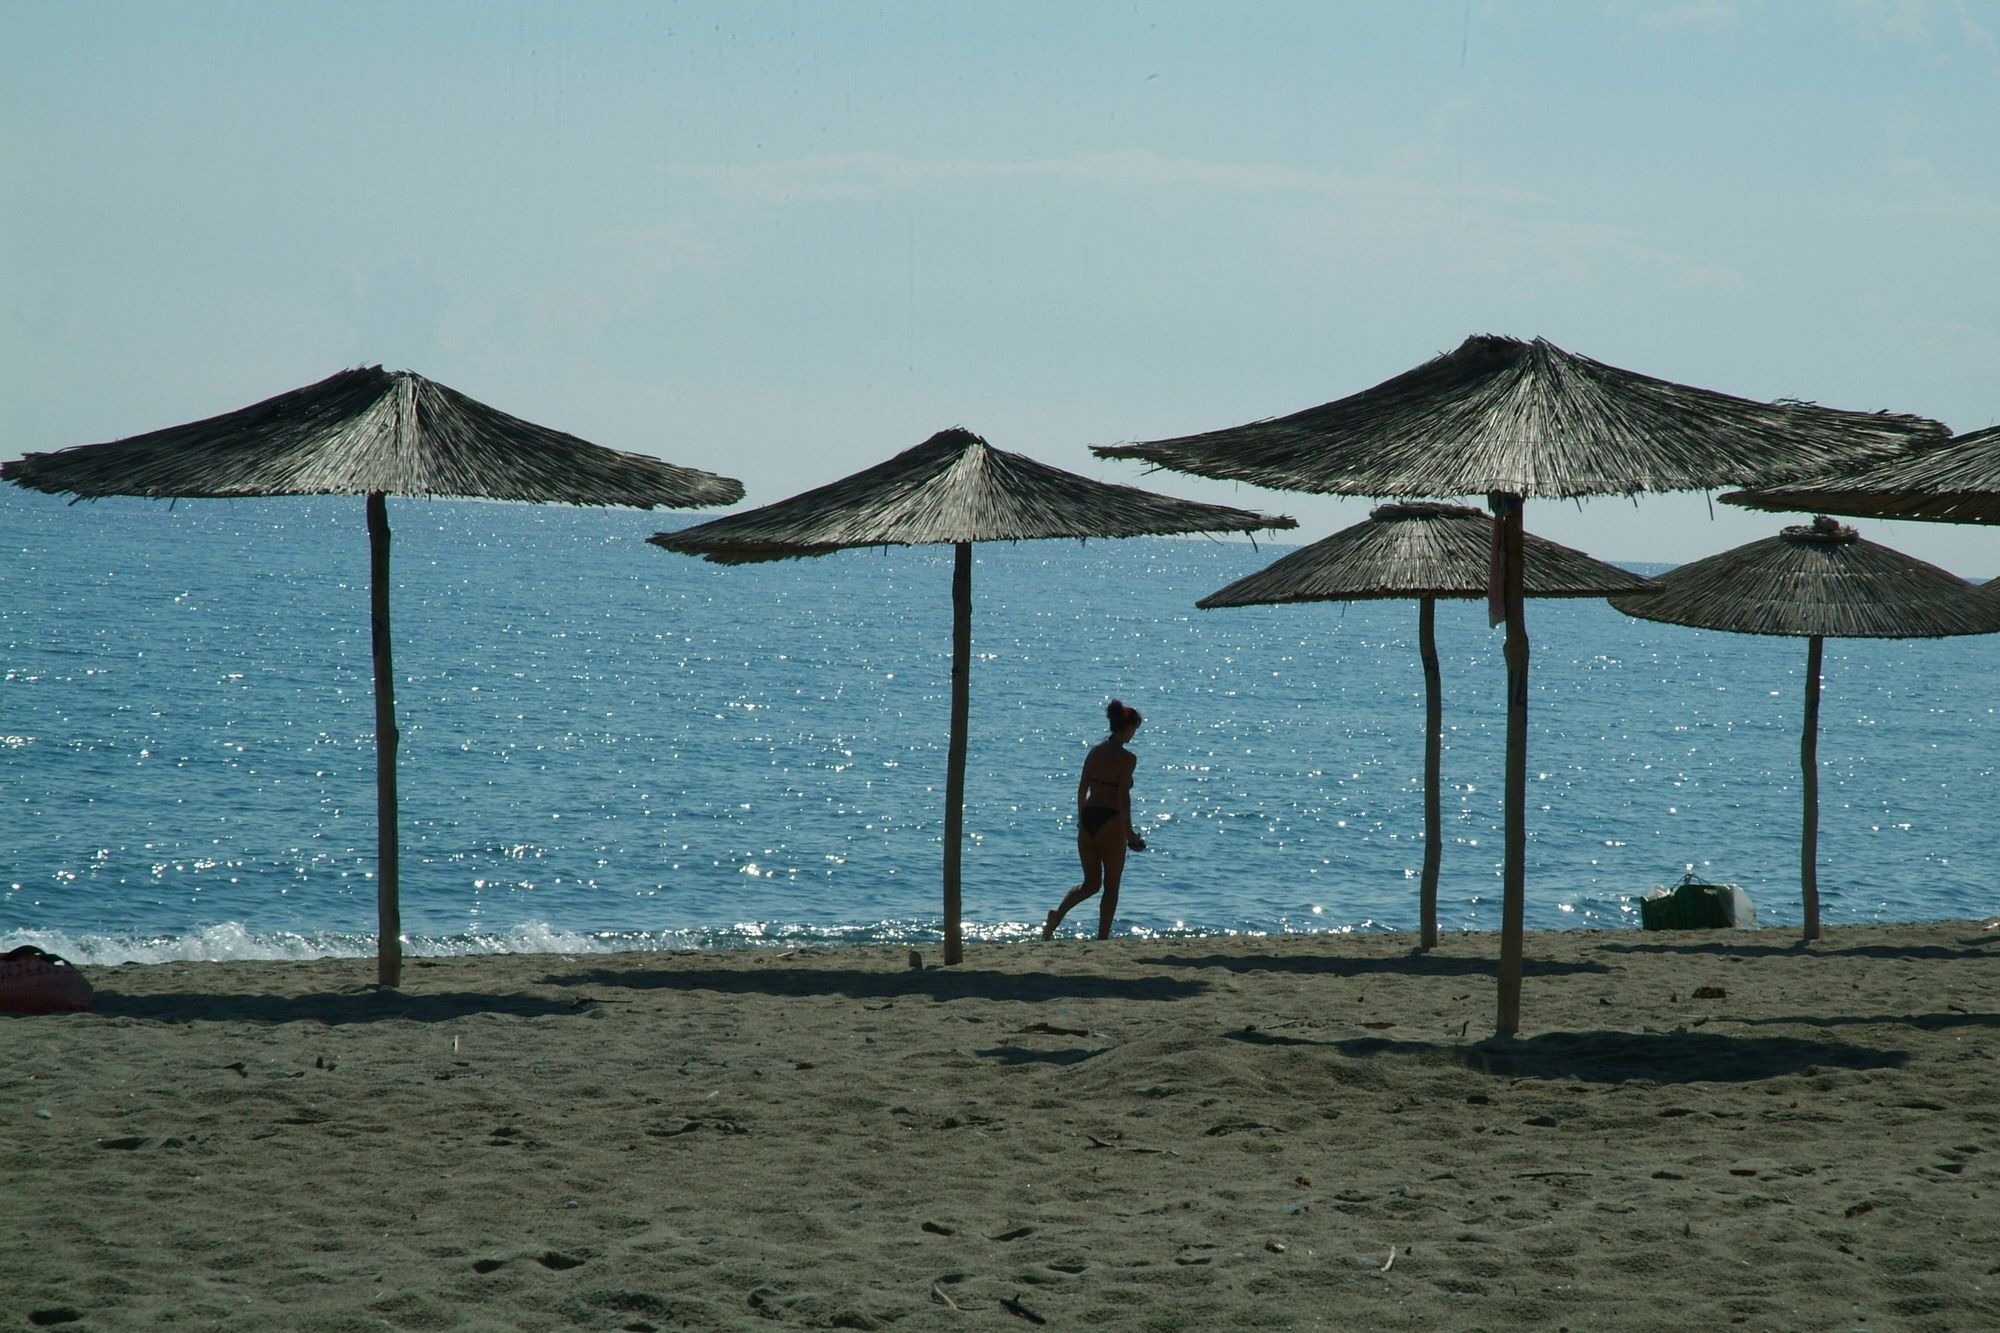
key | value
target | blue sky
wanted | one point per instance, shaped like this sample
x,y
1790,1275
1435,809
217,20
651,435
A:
x,y
785,240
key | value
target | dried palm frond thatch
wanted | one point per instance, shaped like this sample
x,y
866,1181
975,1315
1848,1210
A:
x,y
1816,581
1419,549
1528,418
375,433
1957,481
370,431
1820,579
954,489
1423,550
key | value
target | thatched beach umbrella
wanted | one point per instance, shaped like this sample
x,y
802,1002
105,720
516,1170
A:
x,y
376,433
1957,481
1816,581
1426,551
1513,421
954,489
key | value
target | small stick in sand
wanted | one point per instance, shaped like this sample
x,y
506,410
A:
x,y
1096,1142
1390,1262
1014,1307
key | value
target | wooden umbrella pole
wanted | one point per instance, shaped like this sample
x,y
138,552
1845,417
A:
x,y
388,907
1427,895
1513,867
1809,785
954,779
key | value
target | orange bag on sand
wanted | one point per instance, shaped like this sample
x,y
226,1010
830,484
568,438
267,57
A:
x,y
33,981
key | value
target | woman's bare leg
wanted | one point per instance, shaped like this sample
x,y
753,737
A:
x,y
1111,856
1087,851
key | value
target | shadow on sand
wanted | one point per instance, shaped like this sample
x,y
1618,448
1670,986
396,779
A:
x,y
1976,946
1022,1055
361,1005
1618,1057
1415,963
937,983
1927,1022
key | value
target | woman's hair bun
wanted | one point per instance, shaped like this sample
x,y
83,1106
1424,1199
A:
x,y
1120,716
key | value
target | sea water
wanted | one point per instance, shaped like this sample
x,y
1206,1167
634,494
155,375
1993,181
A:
x,y
608,746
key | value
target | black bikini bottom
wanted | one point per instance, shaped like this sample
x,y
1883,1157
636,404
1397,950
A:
x,y
1095,817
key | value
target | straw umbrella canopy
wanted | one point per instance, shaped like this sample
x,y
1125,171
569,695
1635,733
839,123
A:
x,y
1426,551
1518,420
953,489
1816,581
1957,481
375,433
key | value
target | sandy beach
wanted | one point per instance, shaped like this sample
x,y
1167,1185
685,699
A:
x,y
1695,1129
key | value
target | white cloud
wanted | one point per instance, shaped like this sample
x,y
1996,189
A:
x,y
871,175
1480,230
1909,21
1944,26
1979,38
1921,188
1710,17
1711,277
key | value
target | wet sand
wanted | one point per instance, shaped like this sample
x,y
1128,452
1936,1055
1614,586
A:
x,y
1694,1129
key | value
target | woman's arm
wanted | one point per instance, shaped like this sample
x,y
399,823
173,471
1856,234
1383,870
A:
x,y
1132,838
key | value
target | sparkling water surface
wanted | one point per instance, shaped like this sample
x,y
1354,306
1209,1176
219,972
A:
x,y
608,746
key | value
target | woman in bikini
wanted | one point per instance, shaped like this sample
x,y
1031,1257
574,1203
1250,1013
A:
x,y
1103,821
